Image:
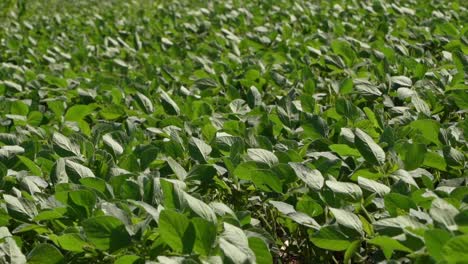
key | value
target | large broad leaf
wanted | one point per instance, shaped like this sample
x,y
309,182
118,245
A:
x,y
444,213
373,186
169,105
33,168
401,81
83,201
388,245
312,178
456,249
260,174
372,152
248,170
396,224
179,171
235,245
343,48
75,171
145,103
19,208
205,236
45,253
72,242
347,108
330,238
435,240
106,233
78,112
64,147
428,128
420,105
177,231
346,189
344,150
414,157
200,208
173,194
261,250
347,219
10,151
199,150
298,217
113,144
397,204
10,248
262,155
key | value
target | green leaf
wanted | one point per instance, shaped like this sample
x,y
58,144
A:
x,y
179,171
106,233
401,81
145,103
45,253
456,249
83,199
414,156
298,217
78,112
261,251
346,189
35,170
10,248
351,250
346,86
169,105
19,208
428,128
10,151
312,178
235,245
454,157
373,186
420,105
344,150
128,259
388,245
344,49
330,238
202,172
205,236
199,150
19,108
77,171
309,206
248,169
444,212
260,174
64,147
347,219
113,144
372,152
434,160
263,156
72,242
435,240
347,108
176,231
200,208
396,203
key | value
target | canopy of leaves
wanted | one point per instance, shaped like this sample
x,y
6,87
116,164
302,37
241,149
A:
x,y
233,131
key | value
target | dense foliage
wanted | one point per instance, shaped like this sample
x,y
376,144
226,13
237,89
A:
x,y
233,131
